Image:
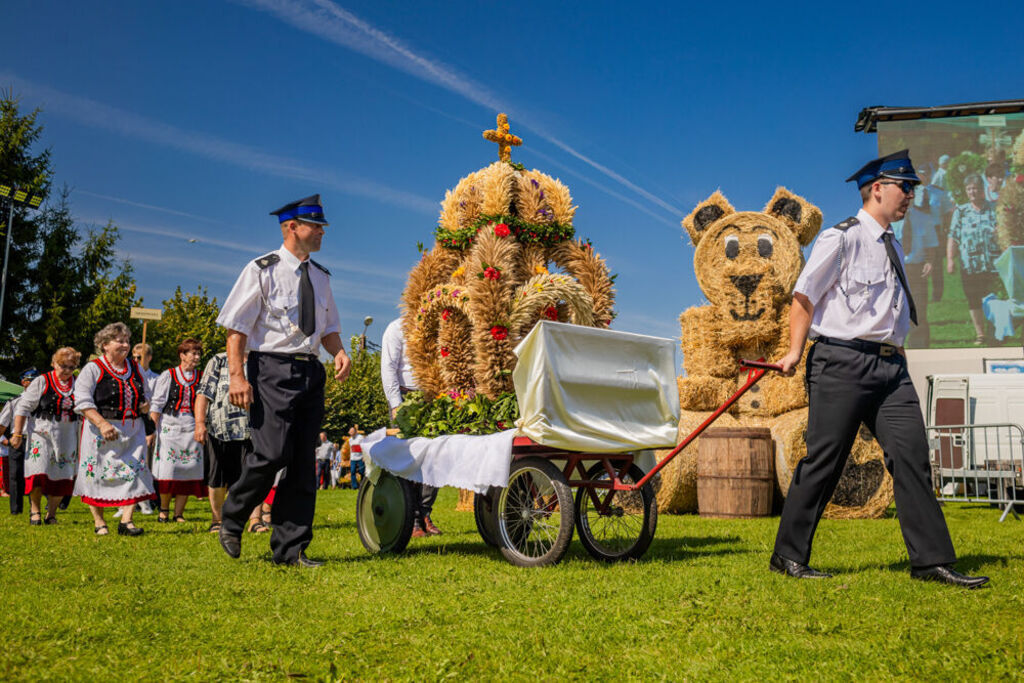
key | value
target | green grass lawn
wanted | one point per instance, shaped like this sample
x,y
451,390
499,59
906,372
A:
x,y
701,604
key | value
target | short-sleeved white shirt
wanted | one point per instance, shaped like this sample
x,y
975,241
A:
x,y
264,306
873,306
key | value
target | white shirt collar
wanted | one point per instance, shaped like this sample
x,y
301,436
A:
x,y
871,224
289,259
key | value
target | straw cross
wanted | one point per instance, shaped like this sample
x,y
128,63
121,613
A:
x,y
504,139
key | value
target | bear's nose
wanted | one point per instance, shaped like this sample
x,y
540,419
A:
x,y
746,283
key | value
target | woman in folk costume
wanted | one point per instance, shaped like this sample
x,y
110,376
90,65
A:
x,y
51,457
178,457
111,395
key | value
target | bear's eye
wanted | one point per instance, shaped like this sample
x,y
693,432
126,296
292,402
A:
x,y
765,246
732,246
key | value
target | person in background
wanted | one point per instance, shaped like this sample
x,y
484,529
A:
x,y
995,175
16,456
356,456
178,457
398,380
224,428
324,451
972,239
143,355
51,456
111,394
939,177
4,449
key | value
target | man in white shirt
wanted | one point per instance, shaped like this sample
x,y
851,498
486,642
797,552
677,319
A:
x,y
323,461
16,456
398,380
853,299
355,458
282,310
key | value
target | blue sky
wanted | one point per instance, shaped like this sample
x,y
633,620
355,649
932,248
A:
x,y
193,119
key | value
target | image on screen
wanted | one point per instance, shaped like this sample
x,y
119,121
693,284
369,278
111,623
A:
x,y
964,234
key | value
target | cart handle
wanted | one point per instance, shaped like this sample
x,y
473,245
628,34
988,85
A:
x,y
757,369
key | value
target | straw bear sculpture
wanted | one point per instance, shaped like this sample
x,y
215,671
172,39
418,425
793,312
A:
x,y
747,264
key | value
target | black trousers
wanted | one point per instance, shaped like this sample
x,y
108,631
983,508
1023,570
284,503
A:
x,y
285,417
846,387
16,478
425,504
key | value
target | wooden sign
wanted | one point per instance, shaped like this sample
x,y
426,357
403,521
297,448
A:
x,y
146,313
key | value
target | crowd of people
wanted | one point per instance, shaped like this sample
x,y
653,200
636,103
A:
x,y
119,435
940,236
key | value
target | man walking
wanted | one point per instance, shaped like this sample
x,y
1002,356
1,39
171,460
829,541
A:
x,y
853,299
282,310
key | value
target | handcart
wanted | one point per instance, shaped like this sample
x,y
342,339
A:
x,y
531,519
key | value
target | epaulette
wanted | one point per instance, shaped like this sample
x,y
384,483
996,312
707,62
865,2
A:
x,y
319,266
847,224
268,260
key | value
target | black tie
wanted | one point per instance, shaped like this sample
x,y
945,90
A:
x,y
307,304
894,259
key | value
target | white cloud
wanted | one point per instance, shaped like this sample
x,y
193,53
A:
x,y
333,23
99,115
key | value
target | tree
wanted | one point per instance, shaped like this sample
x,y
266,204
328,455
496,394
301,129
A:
x,y
360,400
109,287
187,315
20,166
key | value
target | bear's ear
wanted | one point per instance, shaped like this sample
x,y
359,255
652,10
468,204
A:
x,y
802,217
706,213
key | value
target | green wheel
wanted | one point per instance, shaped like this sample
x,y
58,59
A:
x,y
486,517
384,514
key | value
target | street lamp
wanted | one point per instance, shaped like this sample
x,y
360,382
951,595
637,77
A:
x,y
14,195
367,321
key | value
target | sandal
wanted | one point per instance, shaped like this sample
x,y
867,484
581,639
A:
x,y
35,518
101,530
258,528
180,519
164,516
50,520
214,527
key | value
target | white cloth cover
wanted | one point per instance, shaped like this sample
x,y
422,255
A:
x,y
468,462
599,391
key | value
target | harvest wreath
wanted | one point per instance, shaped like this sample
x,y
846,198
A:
x,y
504,257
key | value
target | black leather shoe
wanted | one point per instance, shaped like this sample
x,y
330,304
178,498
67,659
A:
x,y
125,530
231,543
781,565
303,561
946,574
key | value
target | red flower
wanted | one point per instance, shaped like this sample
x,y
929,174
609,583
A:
x,y
446,314
501,230
499,332
551,313
444,352
492,273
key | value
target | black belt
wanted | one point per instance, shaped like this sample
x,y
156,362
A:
x,y
114,414
862,345
288,357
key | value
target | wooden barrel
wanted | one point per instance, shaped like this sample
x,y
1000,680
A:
x,y
735,472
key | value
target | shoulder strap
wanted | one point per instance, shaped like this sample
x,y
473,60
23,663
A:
x,y
846,224
267,260
319,266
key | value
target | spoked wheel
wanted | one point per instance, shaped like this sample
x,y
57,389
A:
x,y
534,514
384,514
616,525
486,516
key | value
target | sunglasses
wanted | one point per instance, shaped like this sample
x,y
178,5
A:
x,y
906,186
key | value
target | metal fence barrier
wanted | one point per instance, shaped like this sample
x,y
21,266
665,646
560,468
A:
x,y
979,464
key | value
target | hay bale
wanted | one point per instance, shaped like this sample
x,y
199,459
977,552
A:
x,y
465,503
865,488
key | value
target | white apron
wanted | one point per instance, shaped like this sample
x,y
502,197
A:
x,y
52,450
114,472
177,456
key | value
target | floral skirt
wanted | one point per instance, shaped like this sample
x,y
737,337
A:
x,y
114,473
178,456
51,457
